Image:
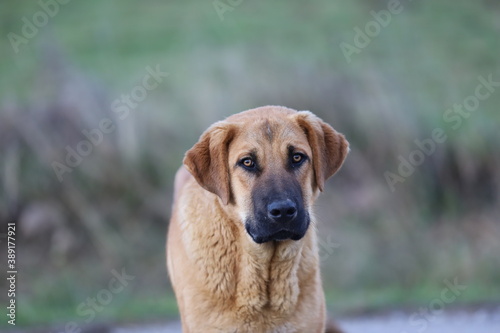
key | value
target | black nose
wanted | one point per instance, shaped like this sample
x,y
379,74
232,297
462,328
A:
x,y
282,211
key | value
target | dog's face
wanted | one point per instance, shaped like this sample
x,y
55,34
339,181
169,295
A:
x,y
272,179
268,165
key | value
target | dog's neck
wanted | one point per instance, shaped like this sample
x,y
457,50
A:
x,y
269,273
253,278
268,277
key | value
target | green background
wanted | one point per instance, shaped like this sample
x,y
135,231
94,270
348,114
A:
x,y
381,249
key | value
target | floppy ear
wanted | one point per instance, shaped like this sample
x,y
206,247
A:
x,y
207,160
329,148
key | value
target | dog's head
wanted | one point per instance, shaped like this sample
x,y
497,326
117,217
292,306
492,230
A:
x,y
268,166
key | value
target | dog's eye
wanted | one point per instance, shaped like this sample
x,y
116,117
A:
x,y
297,158
248,163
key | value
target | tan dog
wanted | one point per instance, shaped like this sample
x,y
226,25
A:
x,y
242,252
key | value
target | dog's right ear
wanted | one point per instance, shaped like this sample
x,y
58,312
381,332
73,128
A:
x,y
329,147
207,160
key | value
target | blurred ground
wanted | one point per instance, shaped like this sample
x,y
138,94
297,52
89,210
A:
x,y
478,321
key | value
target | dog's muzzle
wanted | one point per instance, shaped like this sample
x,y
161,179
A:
x,y
282,221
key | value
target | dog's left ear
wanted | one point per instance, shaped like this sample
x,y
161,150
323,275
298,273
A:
x,y
207,160
329,148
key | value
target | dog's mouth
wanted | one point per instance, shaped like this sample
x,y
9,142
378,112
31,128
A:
x,y
284,235
281,235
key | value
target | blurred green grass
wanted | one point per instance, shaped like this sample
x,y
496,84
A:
x,y
395,248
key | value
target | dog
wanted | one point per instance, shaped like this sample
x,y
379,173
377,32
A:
x,y
242,252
